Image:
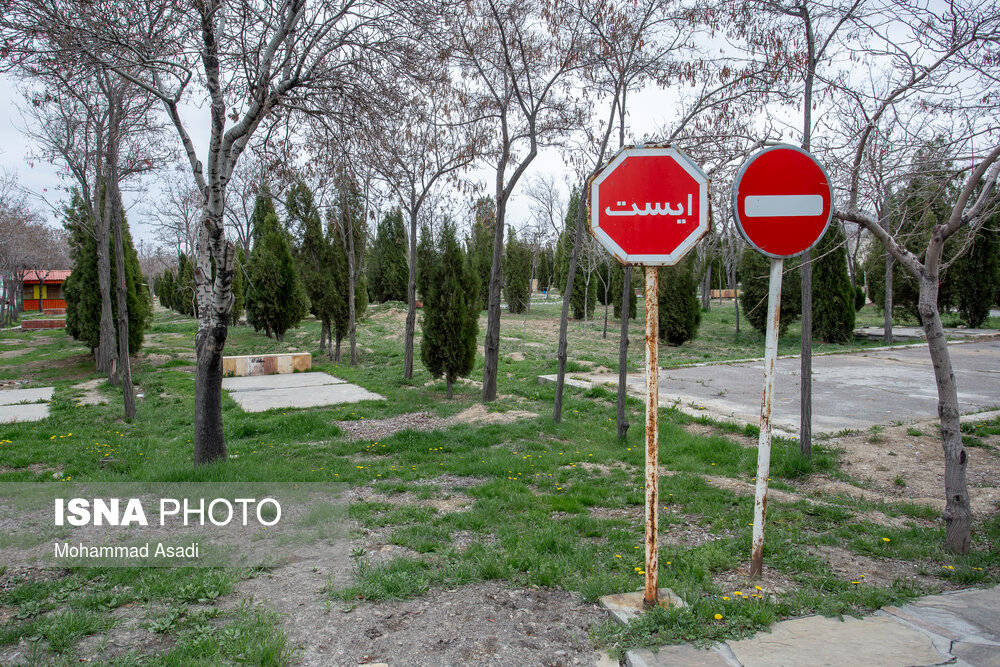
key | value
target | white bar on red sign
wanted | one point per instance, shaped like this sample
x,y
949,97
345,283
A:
x,y
782,206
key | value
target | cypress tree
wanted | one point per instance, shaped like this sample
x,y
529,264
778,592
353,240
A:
x,y
584,295
451,313
276,300
833,296
315,258
184,297
516,274
237,287
617,276
544,269
426,260
390,271
481,246
81,291
977,274
167,289
755,275
680,312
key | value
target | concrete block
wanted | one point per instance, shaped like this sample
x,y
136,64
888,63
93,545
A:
x,y
626,606
266,364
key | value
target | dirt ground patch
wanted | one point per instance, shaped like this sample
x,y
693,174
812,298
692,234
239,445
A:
x,y
771,581
478,414
480,624
90,396
10,354
898,465
881,572
454,501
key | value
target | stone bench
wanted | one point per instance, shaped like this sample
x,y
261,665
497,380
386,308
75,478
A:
x,y
266,364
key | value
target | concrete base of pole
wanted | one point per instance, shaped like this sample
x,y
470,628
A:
x,y
626,606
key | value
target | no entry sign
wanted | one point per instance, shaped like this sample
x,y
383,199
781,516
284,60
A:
x,y
782,201
649,206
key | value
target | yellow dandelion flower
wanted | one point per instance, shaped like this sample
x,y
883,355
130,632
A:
x,y
718,617
886,539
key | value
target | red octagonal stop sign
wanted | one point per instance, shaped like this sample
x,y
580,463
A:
x,y
649,206
782,201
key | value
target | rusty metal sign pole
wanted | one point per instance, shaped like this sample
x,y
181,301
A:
x,y
764,440
652,432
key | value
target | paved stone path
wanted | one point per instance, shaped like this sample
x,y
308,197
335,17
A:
x,y
294,390
960,628
21,405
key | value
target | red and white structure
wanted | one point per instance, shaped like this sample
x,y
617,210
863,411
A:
x,y
782,203
649,206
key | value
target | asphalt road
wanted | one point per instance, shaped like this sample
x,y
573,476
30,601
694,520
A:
x,y
850,391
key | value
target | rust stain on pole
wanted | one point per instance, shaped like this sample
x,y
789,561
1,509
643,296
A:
x,y
764,440
652,432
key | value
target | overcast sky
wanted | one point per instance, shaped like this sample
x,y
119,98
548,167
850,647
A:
x,y
649,109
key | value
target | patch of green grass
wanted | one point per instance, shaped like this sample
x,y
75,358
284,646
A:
x,y
544,504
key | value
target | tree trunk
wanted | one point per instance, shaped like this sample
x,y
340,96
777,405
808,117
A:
x,y
322,337
564,319
805,366
448,381
957,513
607,303
734,285
411,298
492,344
336,356
106,345
623,353
706,288
210,439
887,304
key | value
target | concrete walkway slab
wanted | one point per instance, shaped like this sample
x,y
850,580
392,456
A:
x,y
969,614
31,412
296,390
817,641
960,628
15,396
686,655
285,381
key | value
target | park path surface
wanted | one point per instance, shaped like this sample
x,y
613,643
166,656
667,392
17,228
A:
x,y
958,628
850,391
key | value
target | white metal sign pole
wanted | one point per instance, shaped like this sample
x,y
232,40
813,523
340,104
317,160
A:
x,y
652,432
764,441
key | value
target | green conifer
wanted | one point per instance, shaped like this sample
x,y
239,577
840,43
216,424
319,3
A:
x,y
679,310
276,300
451,313
82,289
480,246
390,271
833,296
516,274
755,278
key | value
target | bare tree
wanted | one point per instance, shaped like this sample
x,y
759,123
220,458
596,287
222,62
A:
x,y
177,214
515,57
938,57
414,150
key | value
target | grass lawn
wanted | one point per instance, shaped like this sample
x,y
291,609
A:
x,y
569,494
